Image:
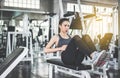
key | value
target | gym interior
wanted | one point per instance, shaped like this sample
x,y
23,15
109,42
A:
x,y
26,26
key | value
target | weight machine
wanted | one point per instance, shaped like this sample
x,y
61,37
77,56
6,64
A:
x,y
26,39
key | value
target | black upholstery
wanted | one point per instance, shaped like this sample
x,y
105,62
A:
x,y
60,63
104,42
76,22
9,59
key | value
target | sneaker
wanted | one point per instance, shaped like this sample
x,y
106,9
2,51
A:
x,y
106,59
99,58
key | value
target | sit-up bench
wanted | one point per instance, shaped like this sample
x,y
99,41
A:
x,y
11,61
77,71
82,71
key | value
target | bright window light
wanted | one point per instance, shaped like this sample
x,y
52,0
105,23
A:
x,y
34,4
85,8
1,22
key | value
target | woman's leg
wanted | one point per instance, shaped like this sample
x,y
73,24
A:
x,y
69,55
79,58
75,51
82,45
97,58
86,38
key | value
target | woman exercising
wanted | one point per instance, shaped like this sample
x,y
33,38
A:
x,y
73,50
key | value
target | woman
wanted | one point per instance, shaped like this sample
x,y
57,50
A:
x,y
73,50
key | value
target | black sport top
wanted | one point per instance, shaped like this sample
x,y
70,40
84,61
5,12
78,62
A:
x,y
63,41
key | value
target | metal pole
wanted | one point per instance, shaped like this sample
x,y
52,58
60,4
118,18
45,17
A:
x,y
81,15
61,8
118,34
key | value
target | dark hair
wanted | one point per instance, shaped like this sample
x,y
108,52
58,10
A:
x,y
62,20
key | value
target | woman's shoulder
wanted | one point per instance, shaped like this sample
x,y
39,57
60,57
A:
x,y
56,36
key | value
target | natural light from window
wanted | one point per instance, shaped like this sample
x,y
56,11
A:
x,y
101,23
85,8
32,4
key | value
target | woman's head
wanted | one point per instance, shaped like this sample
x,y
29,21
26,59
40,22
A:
x,y
64,25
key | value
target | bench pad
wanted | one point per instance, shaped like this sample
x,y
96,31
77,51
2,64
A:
x,y
8,61
60,63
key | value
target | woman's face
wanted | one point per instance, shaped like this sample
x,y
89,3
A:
x,y
64,27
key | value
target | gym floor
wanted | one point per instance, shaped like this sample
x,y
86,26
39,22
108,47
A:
x,y
40,70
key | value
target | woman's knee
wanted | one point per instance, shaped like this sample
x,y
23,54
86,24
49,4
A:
x,y
76,37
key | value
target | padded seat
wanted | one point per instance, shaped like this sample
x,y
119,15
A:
x,y
60,63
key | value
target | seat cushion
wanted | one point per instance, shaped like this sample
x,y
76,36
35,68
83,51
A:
x,y
60,63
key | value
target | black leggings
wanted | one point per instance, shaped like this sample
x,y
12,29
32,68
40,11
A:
x,y
75,51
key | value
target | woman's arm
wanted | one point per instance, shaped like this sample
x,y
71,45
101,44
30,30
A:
x,y
49,47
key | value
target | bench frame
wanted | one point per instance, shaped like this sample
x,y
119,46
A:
x,y
56,68
53,68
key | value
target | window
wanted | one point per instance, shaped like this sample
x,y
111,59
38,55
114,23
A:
x,y
35,4
101,23
85,8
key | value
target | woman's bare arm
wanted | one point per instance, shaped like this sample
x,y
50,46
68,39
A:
x,y
49,47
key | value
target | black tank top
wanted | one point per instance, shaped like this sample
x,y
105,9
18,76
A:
x,y
63,41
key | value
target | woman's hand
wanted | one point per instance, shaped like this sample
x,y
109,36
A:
x,y
63,48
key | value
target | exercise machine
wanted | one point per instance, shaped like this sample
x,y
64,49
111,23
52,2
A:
x,y
27,38
12,60
83,71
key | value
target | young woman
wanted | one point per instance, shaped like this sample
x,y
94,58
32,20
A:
x,y
73,50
